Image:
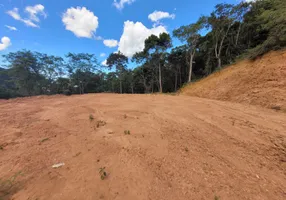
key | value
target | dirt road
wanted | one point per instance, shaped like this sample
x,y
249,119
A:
x,y
179,148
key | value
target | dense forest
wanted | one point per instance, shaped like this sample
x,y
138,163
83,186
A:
x,y
230,32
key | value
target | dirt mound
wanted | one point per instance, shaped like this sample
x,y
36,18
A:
x,y
261,82
141,147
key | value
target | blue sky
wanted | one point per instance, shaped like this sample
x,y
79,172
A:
x,y
94,26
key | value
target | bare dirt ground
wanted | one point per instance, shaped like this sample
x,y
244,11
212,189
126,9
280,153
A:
x,y
261,82
179,148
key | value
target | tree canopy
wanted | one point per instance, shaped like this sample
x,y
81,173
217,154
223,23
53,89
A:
x,y
228,33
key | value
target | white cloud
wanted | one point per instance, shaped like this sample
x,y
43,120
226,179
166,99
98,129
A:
x,y
5,42
80,21
33,11
102,55
98,38
119,4
14,13
104,63
29,23
110,43
158,15
11,28
134,36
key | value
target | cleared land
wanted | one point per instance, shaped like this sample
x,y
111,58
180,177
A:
x,y
179,147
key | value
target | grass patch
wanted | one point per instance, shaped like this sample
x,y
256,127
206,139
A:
x,y
127,132
102,173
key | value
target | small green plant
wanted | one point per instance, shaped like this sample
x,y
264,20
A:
x,y
102,173
91,118
216,198
45,139
127,132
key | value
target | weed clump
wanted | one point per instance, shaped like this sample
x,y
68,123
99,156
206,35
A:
x,y
91,118
102,173
100,123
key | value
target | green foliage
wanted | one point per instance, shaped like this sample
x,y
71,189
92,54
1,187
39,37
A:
x,y
119,61
271,16
127,132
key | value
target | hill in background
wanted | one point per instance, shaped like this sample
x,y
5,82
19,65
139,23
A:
x,y
261,82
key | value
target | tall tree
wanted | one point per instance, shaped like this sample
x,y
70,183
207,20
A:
x,y
119,61
155,47
177,60
25,70
220,21
78,64
190,34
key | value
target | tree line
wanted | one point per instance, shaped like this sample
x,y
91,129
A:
x,y
230,32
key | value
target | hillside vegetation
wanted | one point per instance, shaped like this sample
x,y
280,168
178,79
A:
x,y
260,82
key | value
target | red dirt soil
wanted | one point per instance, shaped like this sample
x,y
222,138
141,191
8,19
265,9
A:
x,y
261,82
179,148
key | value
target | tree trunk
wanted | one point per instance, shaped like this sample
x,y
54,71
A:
x,y
160,78
176,79
132,89
180,71
191,67
237,36
219,62
120,85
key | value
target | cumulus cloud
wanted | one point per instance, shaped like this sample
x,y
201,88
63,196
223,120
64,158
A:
x,y
134,36
104,63
110,43
5,42
80,21
158,15
119,4
11,28
33,12
102,55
